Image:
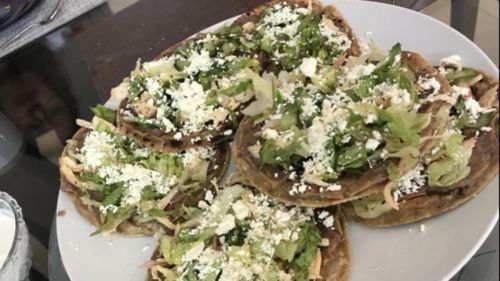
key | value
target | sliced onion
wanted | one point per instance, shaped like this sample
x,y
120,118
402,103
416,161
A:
x,y
120,92
163,203
84,124
166,222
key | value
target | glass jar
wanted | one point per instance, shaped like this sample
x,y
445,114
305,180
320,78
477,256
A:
x,y
14,237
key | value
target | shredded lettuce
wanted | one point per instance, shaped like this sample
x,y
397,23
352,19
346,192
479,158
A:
x,y
290,116
284,157
454,167
105,113
165,163
384,66
353,157
371,206
136,86
236,237
309,239
404,127
173,251
113,195
392,171
286,250
460,76
112,219
464,119
236,89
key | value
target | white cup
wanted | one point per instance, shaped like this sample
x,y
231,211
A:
x,y
15,250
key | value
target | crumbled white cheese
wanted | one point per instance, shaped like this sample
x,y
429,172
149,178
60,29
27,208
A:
x,y
472,106
96,147
328,221
203,205
194,156
199,61
153,87
240,210
141,152
355,72
372,144
109,208
323,215
370,119
332,119
135,178
298,187
377,135
334,36
270,134
178,136
411,182
308,66
392,93
334,187
309,107
190,100
209,196
226,225
194,252
428,84
453,60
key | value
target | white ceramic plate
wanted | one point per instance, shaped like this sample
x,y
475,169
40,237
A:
x,y
401,253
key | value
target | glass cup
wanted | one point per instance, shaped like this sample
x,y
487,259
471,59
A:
x,y
18,261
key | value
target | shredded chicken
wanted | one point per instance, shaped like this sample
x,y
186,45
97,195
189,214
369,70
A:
x,y
469,143
120,92
489,98
68,174
144,106
249,26
70,163
254,150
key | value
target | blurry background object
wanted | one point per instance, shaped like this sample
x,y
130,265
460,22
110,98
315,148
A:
x,y
47,18
11,10
15,253
11,143
68,11
416,5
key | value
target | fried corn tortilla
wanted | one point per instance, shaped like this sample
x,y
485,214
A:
x,y
87,199
331,261
483,163
277,182
158,138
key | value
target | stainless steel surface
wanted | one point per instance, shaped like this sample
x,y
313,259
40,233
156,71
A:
x,y
51,16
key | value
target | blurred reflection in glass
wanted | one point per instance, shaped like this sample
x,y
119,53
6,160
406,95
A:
x,y
42,118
